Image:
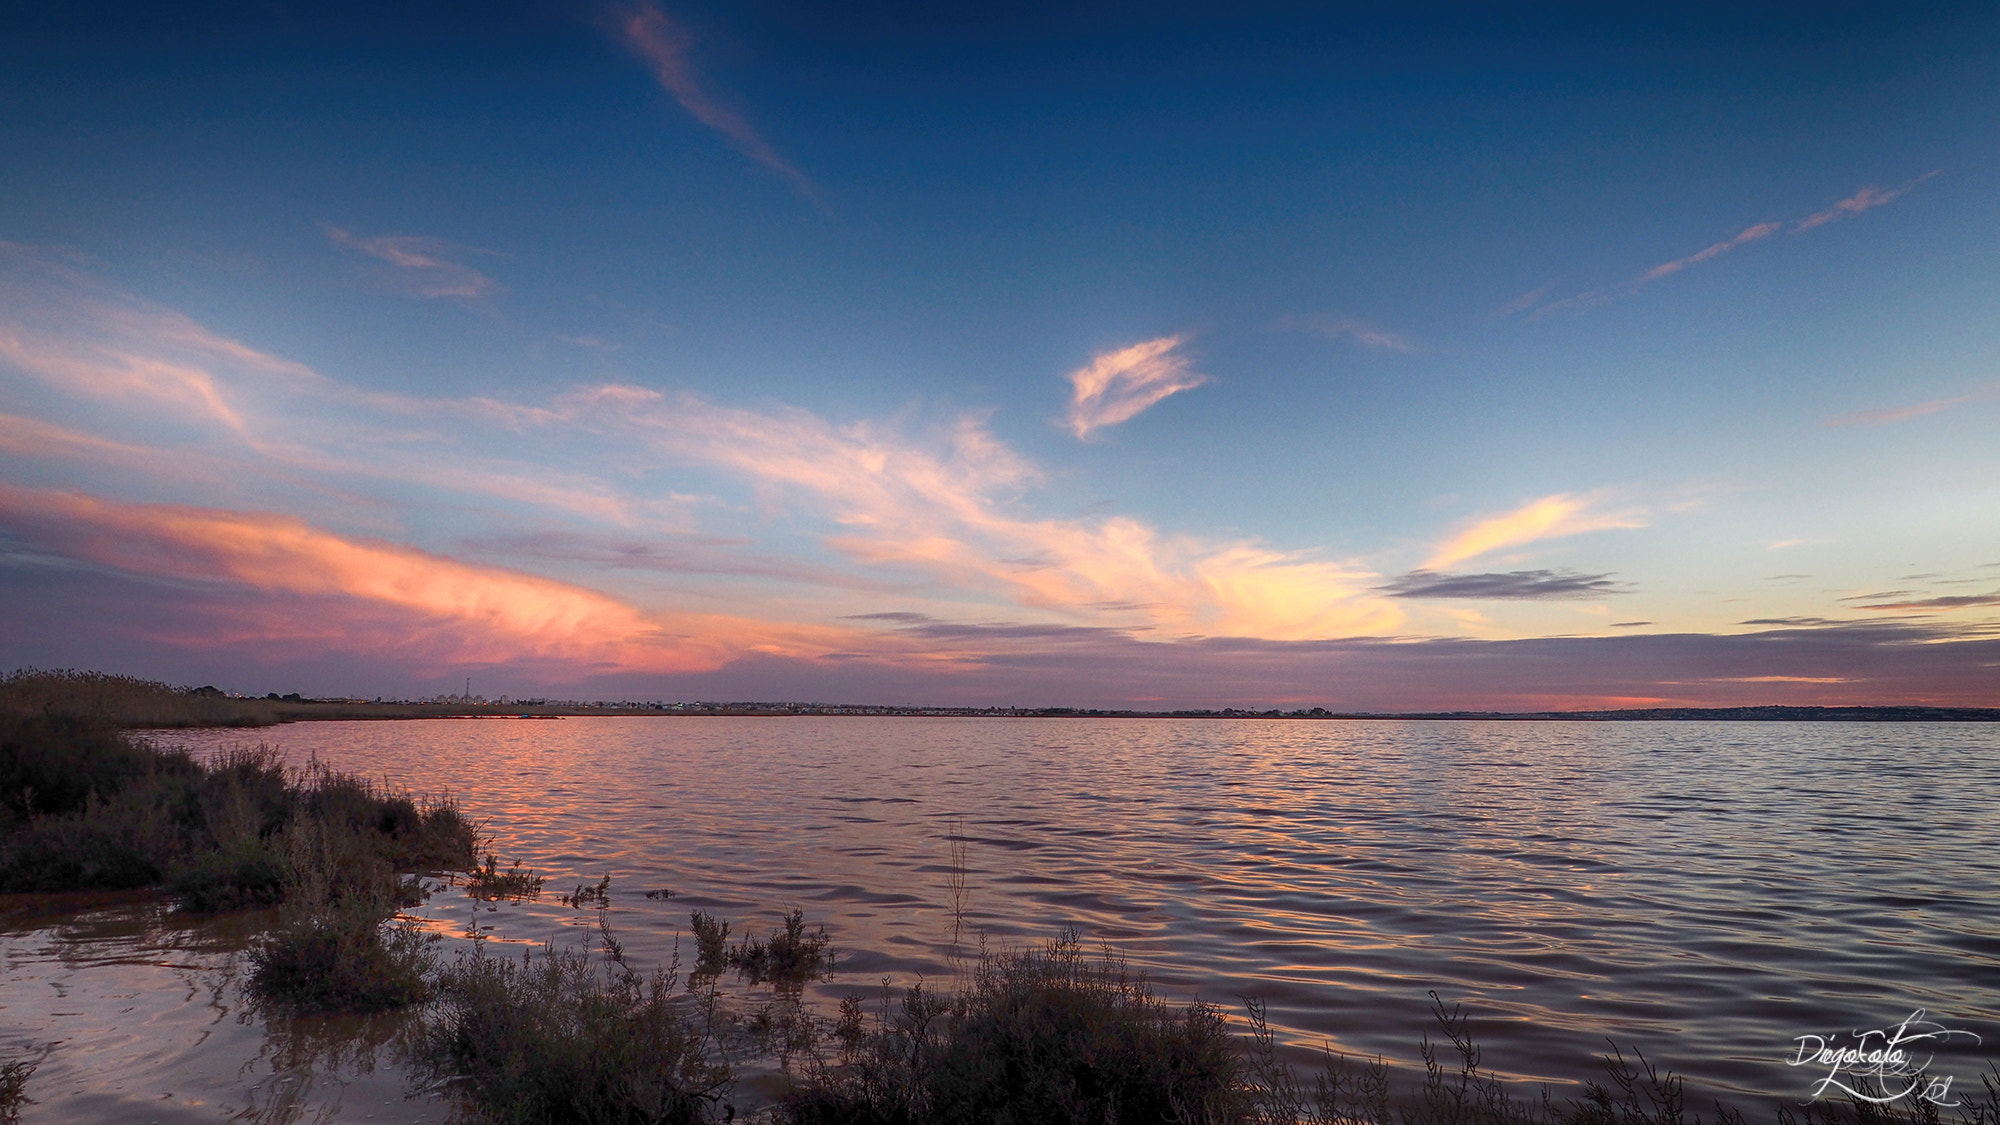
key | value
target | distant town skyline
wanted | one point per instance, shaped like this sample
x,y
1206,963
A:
x,y
1196,356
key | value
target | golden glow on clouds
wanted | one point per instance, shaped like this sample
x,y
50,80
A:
x,y
492,614
1117,386
1551,517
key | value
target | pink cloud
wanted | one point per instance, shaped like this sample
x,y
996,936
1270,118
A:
x,y
663,44
1755,233
1863,200
434,274
1116,386
461,611
1347,328
1915,410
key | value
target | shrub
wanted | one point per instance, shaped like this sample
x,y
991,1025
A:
x,y
1046,1036
334,948
343,959
711,938
492,884
73,853
246,872
790,955
54,764
564,1037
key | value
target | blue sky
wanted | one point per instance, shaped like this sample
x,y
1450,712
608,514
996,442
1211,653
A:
x,y
1192,355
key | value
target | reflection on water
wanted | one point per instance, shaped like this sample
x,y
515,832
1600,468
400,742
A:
x,y
1705,892
137,1015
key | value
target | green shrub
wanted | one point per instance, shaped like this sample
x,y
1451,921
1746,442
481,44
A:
x,y
55,764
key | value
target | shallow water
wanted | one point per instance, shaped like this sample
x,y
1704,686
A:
x,y
1705,892
133,1015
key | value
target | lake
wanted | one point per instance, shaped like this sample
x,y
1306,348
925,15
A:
x,y
1704,892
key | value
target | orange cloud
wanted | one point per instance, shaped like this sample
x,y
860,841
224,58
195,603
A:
x,y
1336,328
1551,517
947,506
947,512
1116,386
486,613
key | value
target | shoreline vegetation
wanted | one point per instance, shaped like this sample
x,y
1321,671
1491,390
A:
x,y
131,703
579,1034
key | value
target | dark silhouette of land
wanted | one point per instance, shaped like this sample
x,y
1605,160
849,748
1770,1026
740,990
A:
x,y
127,702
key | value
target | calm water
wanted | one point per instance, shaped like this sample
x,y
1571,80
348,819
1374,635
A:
x,y
1704,892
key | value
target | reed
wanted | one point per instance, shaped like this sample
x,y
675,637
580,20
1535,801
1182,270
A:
x,y
14,1075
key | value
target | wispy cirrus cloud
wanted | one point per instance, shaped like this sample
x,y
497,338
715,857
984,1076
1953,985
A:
x,y
1526,585
453,609
945,508
1347,328
942,514
1865,199
1551,517
1592,298
663,43
427,263
1892,414
1116,386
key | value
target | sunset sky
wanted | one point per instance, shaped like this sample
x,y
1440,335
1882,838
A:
x,y
1177,355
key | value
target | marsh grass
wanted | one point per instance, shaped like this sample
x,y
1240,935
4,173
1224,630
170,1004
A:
x,y
791,955
14,1075
336,946
711,942
596,894
89,807
1044,1035
86,807
490,884
561,1035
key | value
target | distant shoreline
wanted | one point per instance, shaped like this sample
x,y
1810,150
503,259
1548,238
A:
x,y
131,703
314,710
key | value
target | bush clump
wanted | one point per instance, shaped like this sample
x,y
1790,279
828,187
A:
x,y
561,1036
791,954
1040,1036
84,806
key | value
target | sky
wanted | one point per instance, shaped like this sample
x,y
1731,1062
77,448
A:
x,y
1452,357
